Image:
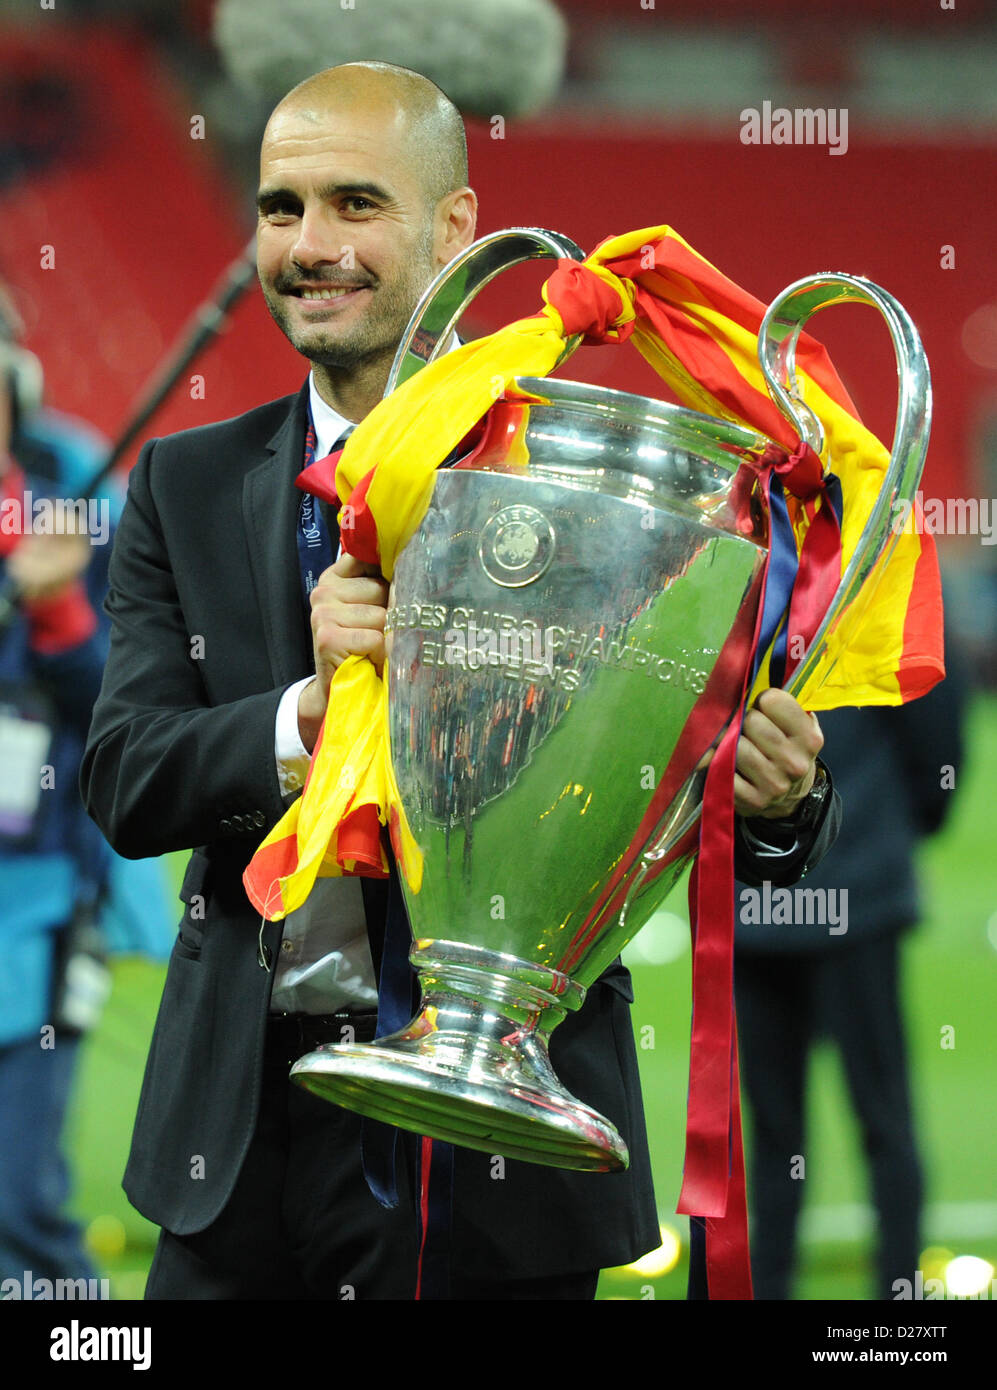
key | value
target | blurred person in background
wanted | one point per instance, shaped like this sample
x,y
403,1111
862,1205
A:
x,y
59,881
833,971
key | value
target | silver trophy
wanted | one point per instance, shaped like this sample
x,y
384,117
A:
x,y
551,625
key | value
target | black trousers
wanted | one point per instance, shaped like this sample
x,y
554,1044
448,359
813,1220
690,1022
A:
x,y
784,1003
301,1223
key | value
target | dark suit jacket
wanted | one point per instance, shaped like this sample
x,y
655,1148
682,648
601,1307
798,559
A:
x,y
181,753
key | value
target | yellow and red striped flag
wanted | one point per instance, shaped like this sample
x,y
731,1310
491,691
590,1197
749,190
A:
x,y
698,329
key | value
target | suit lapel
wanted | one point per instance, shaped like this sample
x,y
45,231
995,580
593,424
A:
x,y
270,503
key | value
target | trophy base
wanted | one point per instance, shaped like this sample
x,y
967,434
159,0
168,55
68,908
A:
x,y
470,1072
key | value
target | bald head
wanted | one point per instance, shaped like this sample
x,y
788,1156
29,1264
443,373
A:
x,y
363,199
424,120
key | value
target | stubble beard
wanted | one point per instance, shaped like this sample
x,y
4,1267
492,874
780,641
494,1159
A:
x,y
376,335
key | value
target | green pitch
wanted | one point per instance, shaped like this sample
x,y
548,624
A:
x,y
950,983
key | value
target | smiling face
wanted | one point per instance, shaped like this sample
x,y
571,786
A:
x,y
349,235
345,244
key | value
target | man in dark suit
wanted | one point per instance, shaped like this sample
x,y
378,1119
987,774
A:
x,y
214,693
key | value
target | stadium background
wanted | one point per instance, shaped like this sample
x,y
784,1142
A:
x,y
126,148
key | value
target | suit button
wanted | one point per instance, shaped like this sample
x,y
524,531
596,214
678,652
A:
x,y
259,820
237,823
225,826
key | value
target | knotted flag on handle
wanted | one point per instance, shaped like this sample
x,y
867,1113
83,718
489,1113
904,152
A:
x,y
699,332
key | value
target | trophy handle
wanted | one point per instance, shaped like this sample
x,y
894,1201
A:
x,y
438,311
777,341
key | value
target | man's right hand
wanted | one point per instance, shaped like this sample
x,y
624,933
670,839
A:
x,y
348,611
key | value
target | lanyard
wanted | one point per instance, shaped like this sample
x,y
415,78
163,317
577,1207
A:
x,y
315,547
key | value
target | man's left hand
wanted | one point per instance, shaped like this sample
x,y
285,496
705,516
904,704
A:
x,y
776,756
